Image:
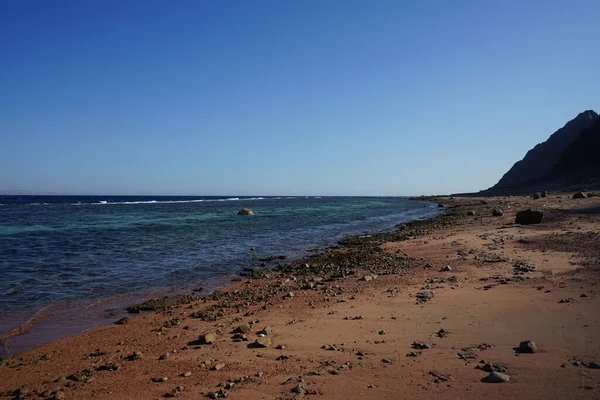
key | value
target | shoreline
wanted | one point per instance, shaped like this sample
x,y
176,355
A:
x,y
58,317
346,323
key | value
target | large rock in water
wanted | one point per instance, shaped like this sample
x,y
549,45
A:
x,y
245,211
530,216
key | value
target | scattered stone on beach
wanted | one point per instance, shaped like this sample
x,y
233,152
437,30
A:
x,y
440,377
536,196
544,194
496,212
425,296
529,216
467,356
244,328
413,354
264,341
527,346
580,195
245,211
594,365
446,269
489,367
471,213
218,367
386,361
368,278
136,355
59,395
440,205
122,321
565,300
161,379
187,374
288,295
208,338
442,333
267,330
497,377
420,346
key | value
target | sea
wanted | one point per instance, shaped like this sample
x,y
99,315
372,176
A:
x,y
68,263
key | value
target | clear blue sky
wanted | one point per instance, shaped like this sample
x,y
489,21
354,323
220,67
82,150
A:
x,y
333,97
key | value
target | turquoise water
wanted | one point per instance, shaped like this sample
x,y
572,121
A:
x,y
65,248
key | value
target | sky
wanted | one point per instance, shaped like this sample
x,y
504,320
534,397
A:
x,y
283,97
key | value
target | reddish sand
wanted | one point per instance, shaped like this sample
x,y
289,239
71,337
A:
x,y
484,306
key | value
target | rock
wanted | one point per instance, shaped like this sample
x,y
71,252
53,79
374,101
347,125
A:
x,y
218,367
425,295
594,365
497,377
299,389
386,361
527,346
264,341
471,213
579,195
420,346
187,374
366,278
446,269
122,321
244,328
59,395
208,338
160,380
536,196
289,295
267,330
529,216
442,333
496,212
245,211
544,194
440,205
308,286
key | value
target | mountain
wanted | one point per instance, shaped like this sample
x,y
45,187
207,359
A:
x,y
580,161
539,162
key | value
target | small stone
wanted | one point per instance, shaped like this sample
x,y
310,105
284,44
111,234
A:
x,y
527,346
299,389
471,213
208,338
267,330
187,374
219,367
420,346
583,295
497,377
594,365
386,361
264,341
59,395
122,321
447,269
382,332
259,374
244,328
442,333
289,295
366,278
497,212
161,379
281,347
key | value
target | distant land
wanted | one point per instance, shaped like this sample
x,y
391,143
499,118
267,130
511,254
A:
x,y
568,159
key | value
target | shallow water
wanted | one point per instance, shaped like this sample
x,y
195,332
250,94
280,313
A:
x,y
57,249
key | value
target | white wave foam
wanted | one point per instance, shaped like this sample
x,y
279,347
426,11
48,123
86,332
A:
x,y
105,202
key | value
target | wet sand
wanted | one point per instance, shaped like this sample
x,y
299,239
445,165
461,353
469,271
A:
x,y
418,313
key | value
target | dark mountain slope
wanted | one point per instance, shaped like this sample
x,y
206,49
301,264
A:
x,y
580,162
538,163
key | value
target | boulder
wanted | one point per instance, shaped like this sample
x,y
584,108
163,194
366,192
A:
x,y
527,346
544,194
497,212
208,338
529,216
245,211
264,341
579,195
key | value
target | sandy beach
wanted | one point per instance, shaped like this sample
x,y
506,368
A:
x,y
426,311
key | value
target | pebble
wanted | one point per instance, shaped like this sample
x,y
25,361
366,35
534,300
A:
x,y
219,366
187,374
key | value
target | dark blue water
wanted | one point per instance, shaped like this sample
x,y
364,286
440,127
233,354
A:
x,y
64,248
